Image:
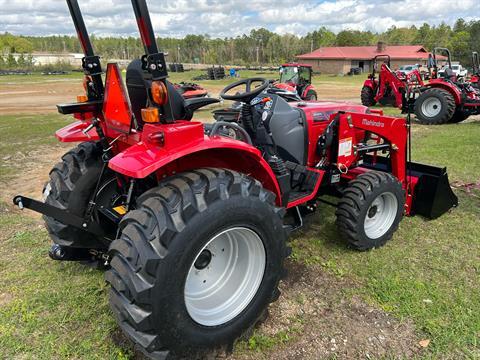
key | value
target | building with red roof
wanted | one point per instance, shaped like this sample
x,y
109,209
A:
x,y
339,60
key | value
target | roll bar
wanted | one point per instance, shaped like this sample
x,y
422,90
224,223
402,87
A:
x,y
441,50
374,63
475,63
90,62
153,60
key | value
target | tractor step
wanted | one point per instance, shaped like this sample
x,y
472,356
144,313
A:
x,y
297,195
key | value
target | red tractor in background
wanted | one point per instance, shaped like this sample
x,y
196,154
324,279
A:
x,y
297,78
445,99
389,87
191,221
190,90
475,77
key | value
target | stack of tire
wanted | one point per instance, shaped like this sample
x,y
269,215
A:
x,y
216,73
176,67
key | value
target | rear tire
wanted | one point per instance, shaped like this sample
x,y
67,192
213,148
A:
x,y
367,96
435,107
459,116
311,95
168,250
370,210
71,186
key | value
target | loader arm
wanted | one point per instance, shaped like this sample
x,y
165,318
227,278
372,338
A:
x,y
427,189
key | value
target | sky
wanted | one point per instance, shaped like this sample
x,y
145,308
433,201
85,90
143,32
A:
x,y
229,18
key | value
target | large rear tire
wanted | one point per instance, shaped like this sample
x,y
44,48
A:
x,y
311,95
367,96
435,107
370,210
459,116
71,186
197,263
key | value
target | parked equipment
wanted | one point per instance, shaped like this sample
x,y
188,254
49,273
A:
x,y
446,98
190,90
475,78
389,87
297,78
192,220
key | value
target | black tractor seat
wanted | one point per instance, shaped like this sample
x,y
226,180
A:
x,y
138,86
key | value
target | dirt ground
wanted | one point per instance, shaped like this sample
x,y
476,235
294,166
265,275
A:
x,y
37,98
319,319
330,324
42,97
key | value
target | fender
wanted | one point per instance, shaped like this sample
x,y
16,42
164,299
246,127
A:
x,y
441,84
182,146
306,90
372,84
74,133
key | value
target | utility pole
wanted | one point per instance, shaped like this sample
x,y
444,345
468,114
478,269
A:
x,y
178,53
258,48
311,45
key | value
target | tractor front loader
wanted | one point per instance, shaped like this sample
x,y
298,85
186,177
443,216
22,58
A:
x,y
192,221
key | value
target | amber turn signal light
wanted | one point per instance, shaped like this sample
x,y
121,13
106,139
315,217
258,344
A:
x,y
82,98
159,92
150,115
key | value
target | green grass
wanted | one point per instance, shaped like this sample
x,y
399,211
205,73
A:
x,y
430,271
38,78
49,309
21,134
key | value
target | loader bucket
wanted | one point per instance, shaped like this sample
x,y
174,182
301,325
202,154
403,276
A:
x,y
432,194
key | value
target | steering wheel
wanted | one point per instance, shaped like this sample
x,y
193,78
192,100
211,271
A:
x,y
248,94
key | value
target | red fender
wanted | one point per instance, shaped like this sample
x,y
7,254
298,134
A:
x,y
74,133
441,84
306,90
370,83
286,87
172,148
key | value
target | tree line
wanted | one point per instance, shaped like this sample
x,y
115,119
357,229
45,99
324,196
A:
x,y
259,47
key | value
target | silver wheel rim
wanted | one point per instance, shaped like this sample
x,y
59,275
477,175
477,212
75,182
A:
x,y
225,276
431,107
380,215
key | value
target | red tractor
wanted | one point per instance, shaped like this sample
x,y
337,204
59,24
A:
x,y
192,221
297,78
190,90
389,87
446,99
475,77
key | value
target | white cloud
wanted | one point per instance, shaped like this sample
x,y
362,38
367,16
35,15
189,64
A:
x,y
225,18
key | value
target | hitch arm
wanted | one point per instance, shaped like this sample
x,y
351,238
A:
x,y
63,216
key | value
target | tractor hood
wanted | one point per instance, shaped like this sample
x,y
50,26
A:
x,y
321,110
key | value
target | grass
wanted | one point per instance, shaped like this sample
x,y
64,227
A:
x,y
49,310
19,135
429,273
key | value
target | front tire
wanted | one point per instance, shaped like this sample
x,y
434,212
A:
x,y
370,210
367,96
435,107
459,116
197,263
